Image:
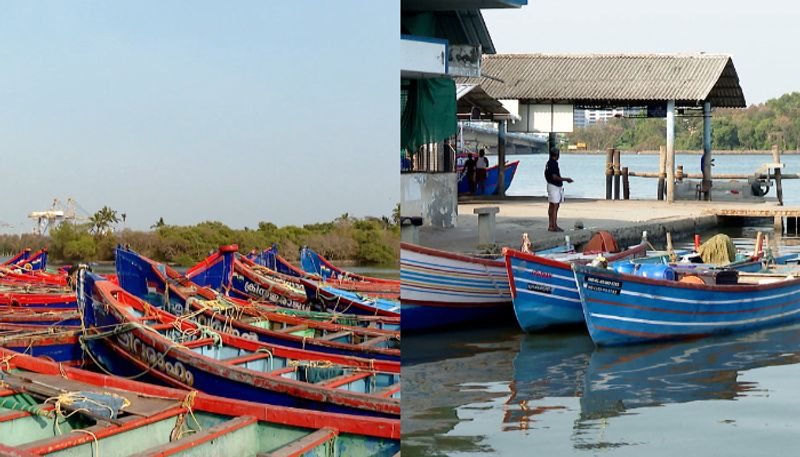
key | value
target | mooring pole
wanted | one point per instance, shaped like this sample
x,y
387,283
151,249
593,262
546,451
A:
x,y
616,173
609,171
501,158
707,183
662,174
670,151
626,185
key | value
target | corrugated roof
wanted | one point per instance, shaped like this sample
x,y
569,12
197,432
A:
x,y
612,79
469,96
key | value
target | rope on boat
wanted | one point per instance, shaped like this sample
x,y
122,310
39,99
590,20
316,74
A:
x,y
180,427
96,442
264,350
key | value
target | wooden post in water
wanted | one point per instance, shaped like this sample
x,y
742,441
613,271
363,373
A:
x,y
626,185
609,171
616,173
662,160
705,188
501,159
776,158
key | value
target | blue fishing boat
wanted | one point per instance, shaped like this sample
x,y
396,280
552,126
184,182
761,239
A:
x,y
321,269
180,296
58,343
623,308
543,288
272,259
344,301
492,175
129,337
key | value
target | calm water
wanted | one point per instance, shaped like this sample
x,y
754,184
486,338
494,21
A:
x,y
588,170
496,391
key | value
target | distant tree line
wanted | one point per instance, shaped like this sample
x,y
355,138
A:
x,y
368,240
760,126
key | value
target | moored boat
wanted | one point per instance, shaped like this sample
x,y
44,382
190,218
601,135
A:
x,y
439,289
130,337
58,343
315,264
492,175
108,415
543,288
180,296
623,308
348,302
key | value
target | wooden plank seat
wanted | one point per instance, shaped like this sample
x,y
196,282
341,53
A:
x,y
198,343
333,336
375,341
345,378
99,431
389,390
281,371
198,438
52,386
303,445
294,328
247,358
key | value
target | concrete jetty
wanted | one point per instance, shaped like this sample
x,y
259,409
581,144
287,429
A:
x,y
625,219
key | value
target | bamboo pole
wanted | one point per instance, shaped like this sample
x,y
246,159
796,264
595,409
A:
x,y
609,171
617,173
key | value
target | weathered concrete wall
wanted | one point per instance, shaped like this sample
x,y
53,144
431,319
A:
x,y
434,196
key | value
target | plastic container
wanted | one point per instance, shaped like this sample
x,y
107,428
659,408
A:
x,y
656,272
626,268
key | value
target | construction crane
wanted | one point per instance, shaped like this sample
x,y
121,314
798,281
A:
x,y
58,212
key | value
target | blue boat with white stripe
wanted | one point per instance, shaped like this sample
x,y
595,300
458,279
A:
x,y
623,309
543,288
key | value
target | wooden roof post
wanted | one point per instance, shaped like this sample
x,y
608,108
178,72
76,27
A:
x,y
501,158
707,183
670,151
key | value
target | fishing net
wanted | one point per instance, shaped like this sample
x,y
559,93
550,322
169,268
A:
x,y
718,250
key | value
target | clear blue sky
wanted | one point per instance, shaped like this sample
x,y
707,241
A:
x,y
761,35
283,111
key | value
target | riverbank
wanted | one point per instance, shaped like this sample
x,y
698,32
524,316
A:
x,y
624,219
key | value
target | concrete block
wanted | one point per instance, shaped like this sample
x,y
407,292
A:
x,y
486,224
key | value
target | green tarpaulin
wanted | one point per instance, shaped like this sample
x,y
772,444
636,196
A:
x,y
428,105
429,112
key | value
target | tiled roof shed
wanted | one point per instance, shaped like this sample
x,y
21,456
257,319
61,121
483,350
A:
x,y
612,80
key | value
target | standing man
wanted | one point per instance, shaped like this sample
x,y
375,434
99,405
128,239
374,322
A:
x,y
469,169
480,172
555,189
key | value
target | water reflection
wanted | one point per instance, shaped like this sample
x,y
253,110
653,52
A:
x,y
611,382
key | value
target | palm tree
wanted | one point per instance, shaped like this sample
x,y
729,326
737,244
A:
x,y
103,220
159,223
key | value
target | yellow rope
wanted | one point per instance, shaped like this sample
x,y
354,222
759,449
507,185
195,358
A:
x,y
94,437
179,430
